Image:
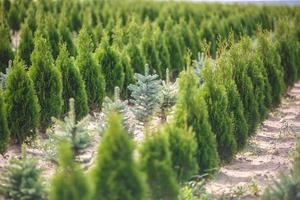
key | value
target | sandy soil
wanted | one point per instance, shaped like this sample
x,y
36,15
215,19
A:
x,y
267,154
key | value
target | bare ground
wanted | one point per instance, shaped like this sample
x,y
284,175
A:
x,y
268,153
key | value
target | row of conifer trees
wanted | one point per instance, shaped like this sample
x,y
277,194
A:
x,y
86,54
216,112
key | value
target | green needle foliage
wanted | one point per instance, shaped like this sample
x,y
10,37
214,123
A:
x,y
21,179
176,53
73,85
288,50
52,35
137,58
191,111
116,175
47,82
22,104
69,182
71,131
4,131
65,35
6,52
26,45
14,18
90,72
128,74
219,115
156,162
272,62
110,63
162,49
183,148
235,105
238,61
149,50
145,95
169,95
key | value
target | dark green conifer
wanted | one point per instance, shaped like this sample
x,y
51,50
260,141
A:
x,y
238,60
287,48
218,112
90,72
6,52
73,86
52,35
128,74
134,49
150,52
183,148
65,35
155,161
26,45
116,175
162,49
191,111
272,63
22,104
14,18
176,53
47,82
4,131
110,63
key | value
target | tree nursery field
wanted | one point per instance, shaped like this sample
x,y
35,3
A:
x,y
148,100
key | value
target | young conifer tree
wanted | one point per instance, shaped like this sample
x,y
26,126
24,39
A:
x,y
258,75
219,114
110,63
169,95
133,48
47,82
69,182
52,34
272,63
65,35
90,72
13,18
238,61
287,48
155,161
22,179
128,74
191,111
162,48
31,17
146,95
116,174
188,38
4,131
26,45
6,52
73,86
183,148
224,75
150,52
176,53
22,104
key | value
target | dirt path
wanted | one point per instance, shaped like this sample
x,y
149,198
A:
x,y
267,154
